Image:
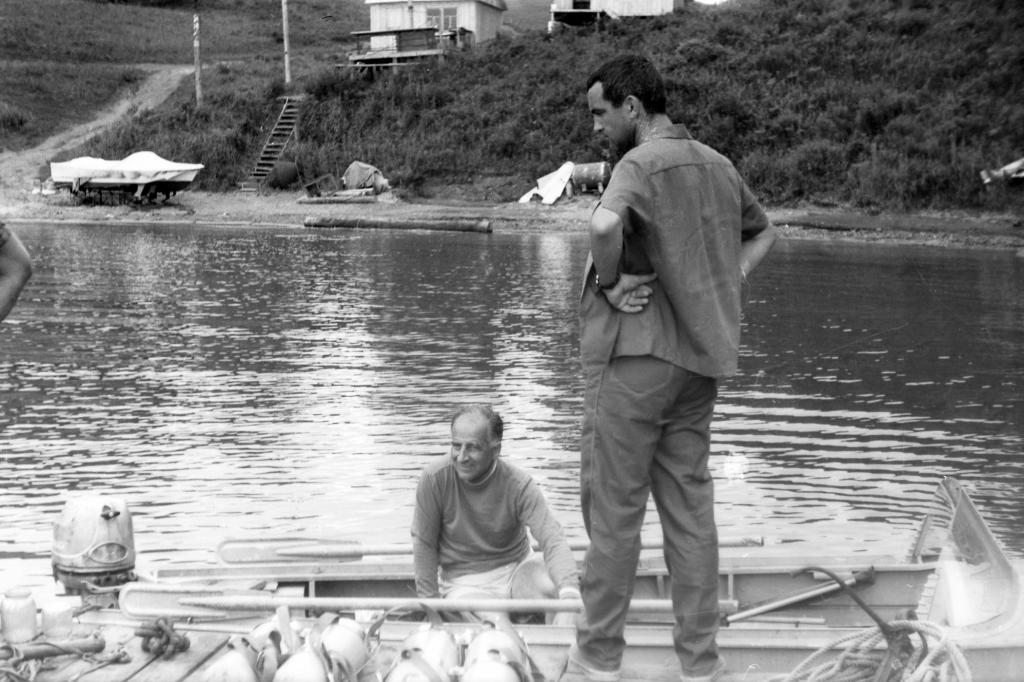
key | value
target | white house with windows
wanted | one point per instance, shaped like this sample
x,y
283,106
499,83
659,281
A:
x,y
587,11
463,22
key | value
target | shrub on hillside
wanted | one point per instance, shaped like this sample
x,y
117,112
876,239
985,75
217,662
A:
x,y
12,119
819,164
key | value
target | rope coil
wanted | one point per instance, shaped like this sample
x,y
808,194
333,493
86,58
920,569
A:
x,y
161,639
937,659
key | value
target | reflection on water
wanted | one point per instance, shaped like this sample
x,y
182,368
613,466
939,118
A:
x,y
233,382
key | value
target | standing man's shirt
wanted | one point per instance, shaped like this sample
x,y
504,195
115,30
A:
x,y
470,528
685,211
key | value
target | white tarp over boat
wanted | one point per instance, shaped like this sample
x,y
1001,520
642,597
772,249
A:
x,y
552,186
138,169
1011,171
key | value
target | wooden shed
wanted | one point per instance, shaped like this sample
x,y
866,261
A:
x,y
395,46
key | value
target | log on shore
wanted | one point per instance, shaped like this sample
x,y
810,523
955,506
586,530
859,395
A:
x,y
347,199
451,224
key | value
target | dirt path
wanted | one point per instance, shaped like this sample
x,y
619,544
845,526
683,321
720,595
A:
x,y
19,169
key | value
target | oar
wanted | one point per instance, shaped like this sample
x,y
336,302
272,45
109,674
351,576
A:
x,y
153,600
270,604
270,550
859,578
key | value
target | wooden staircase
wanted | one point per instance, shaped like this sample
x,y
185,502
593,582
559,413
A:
x,y
284,129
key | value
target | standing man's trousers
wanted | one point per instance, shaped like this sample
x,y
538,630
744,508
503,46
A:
x,y
646,429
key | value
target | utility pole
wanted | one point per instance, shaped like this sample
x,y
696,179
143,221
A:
x,y
195,54
284,29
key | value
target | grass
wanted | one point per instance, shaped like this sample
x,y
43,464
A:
x,y
126,32
39,98
239,103
66,59
875,103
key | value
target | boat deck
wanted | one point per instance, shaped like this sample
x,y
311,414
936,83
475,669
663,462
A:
x,y
776,613
648,658
755,651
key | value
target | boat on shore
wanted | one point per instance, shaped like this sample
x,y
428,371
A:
x,y
143,175
345,611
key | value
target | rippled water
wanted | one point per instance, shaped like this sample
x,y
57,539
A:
x,y
234,382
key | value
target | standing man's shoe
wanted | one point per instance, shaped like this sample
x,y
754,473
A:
x,y
578,669
716,674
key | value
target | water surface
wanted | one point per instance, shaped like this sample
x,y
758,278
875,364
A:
x,y
234,382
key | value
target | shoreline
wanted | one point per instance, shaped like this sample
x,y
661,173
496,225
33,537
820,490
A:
x,y
999,231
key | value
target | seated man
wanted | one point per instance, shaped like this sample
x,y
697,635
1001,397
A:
x,y
15,269
471,517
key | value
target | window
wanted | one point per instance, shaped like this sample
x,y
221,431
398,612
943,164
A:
x,y
443,18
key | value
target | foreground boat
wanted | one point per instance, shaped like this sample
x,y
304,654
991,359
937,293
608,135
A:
x,y
359,619
142,175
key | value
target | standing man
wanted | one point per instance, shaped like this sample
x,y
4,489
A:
x,y
472,513
672,240
15,270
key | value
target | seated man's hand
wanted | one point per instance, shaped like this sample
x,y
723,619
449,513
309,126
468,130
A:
x,y
567,618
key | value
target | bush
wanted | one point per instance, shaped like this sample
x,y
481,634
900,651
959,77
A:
x,y
700,52
911,23
12,119
820,163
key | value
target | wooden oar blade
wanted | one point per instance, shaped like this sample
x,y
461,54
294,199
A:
x,y
277,550
342,551
160,600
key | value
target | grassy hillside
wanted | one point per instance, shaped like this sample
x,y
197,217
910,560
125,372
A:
x,y
875,103
161,32
65,59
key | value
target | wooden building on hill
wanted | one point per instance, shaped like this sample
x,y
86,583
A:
x,y
408,30
581,12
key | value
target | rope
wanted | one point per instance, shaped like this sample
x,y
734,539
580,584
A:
x,y
22,669
116,657
936,659
160,639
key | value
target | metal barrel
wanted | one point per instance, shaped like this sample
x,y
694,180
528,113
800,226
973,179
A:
x,y
591,175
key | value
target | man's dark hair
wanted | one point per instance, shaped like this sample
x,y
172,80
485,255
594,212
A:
x,y
494,421
631,74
